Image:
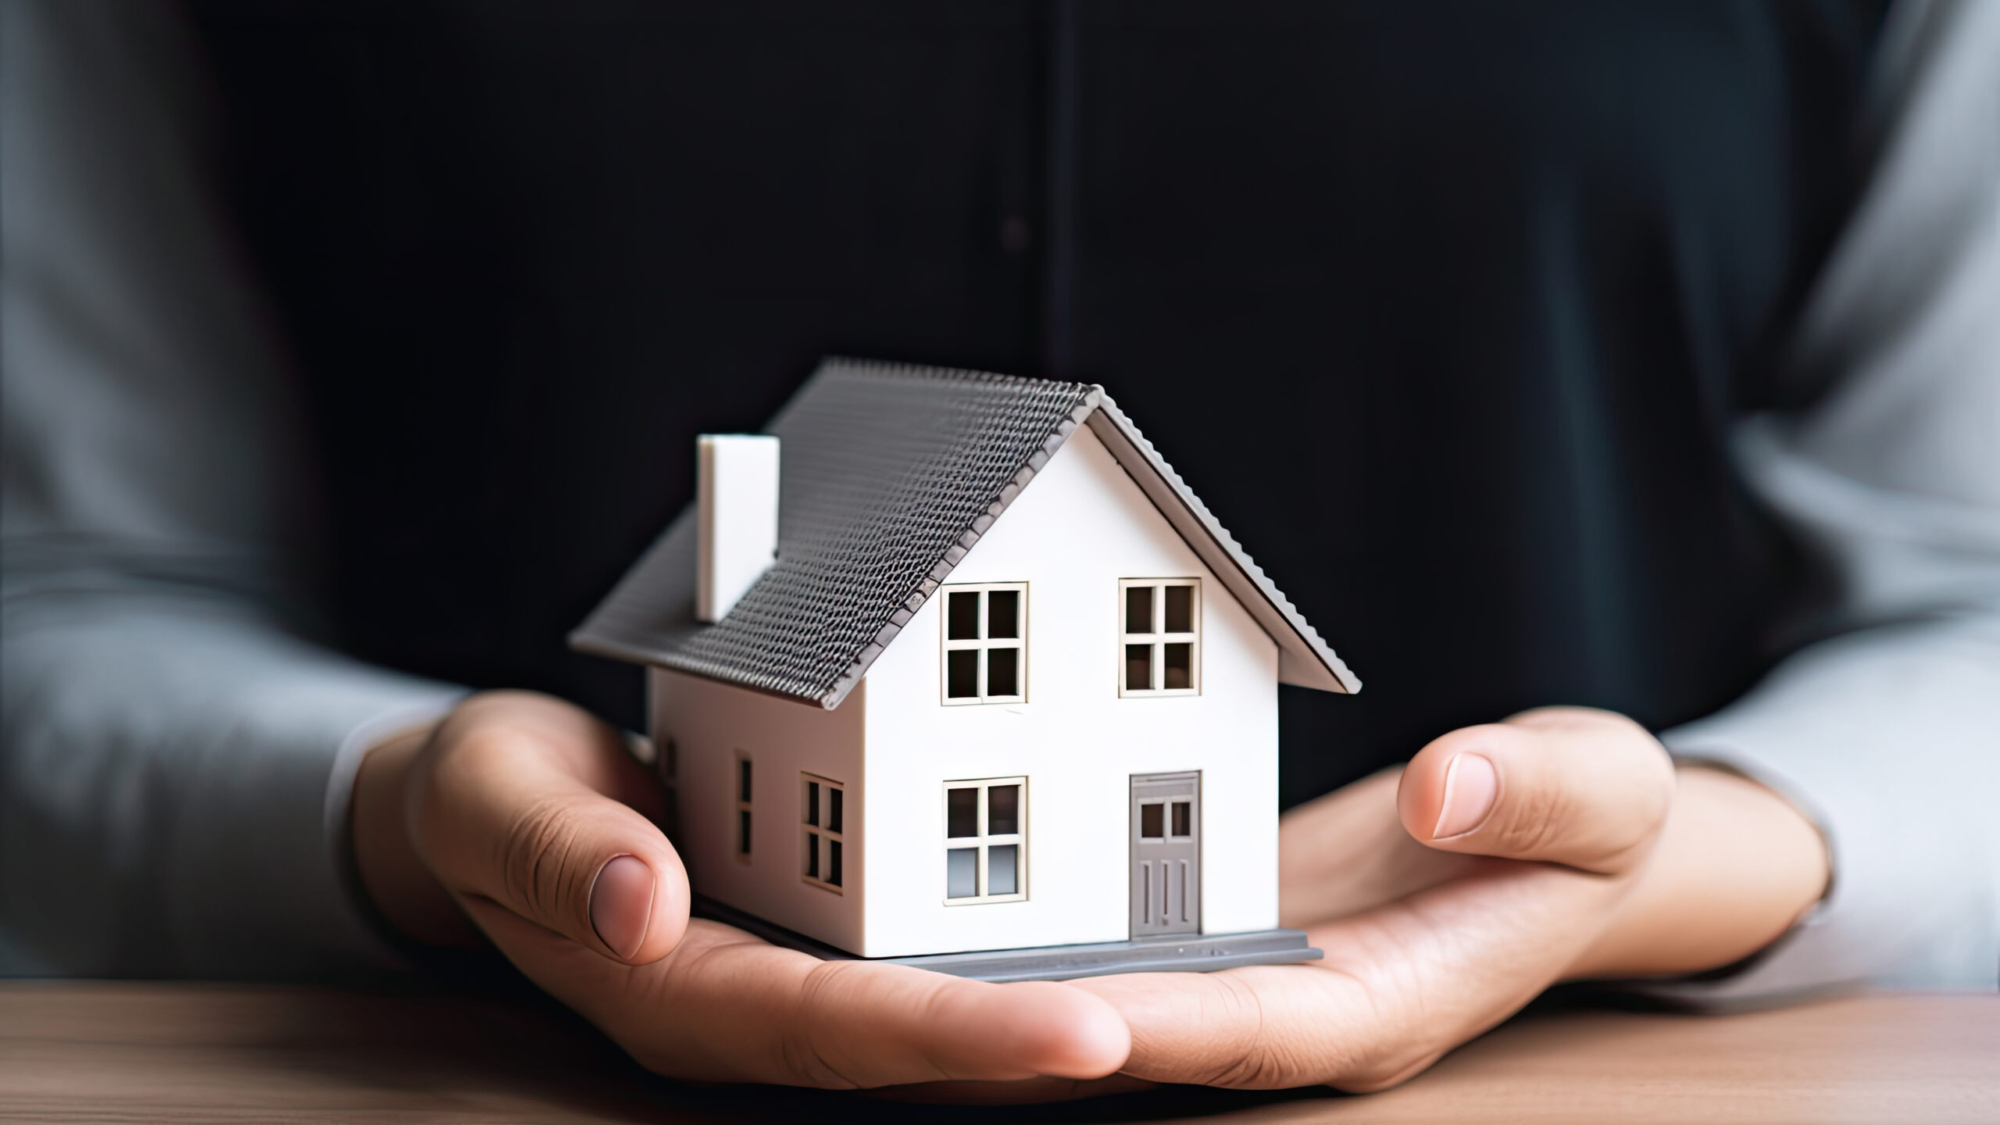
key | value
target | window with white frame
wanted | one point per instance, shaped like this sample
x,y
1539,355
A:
x,y
740,785
986,841
1159,636
986,643
824,802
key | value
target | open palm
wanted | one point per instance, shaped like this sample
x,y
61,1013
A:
x,y
1427,943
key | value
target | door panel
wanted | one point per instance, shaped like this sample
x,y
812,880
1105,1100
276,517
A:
x,y
1166,854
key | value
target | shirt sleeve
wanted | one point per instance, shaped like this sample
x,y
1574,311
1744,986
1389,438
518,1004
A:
x,y
174,757
1887,733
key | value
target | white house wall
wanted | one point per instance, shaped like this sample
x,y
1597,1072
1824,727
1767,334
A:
x,y
712,723
1078,528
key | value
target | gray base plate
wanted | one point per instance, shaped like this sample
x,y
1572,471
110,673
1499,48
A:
x,y
1177,953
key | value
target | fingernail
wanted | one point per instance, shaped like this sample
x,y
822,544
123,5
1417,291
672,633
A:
x,y
621,904
1470,784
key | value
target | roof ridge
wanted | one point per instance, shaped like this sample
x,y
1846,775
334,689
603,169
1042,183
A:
x,y
902,369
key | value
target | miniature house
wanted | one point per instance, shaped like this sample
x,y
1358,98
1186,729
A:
x,y
952,667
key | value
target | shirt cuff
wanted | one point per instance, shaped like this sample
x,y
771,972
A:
x,y
338,819
1884,741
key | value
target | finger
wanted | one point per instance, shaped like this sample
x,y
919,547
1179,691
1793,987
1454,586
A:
x,y
1400,986
726,1007
1028,1091
528,802
1568,785
1347,852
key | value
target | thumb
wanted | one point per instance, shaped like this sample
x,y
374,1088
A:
x,y
517,806
1570,785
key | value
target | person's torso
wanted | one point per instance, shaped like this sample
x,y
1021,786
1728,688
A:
x,y
1444,309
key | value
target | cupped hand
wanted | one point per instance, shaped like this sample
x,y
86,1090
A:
x,y
1444,898
529,817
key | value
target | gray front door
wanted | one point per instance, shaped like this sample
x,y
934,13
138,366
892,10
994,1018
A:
x,y
1166,854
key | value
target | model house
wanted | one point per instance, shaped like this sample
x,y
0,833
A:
x,y
952,667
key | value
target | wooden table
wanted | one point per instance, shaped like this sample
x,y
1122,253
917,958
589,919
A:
x,y
170,1052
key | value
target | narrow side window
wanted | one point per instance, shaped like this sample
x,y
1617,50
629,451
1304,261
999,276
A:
x,y
669,764
742,784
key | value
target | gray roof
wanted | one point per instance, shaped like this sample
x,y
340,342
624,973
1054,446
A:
x,y
889,474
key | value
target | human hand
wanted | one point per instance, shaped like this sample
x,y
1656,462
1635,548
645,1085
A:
x,y
530,817
1560,844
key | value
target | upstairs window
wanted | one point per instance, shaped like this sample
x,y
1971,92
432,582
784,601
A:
x,y
825,829
986,643
1160,636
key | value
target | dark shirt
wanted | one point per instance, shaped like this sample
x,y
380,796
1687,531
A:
x,y
1443,308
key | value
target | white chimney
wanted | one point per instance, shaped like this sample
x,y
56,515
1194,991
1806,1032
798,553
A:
x,y
736,488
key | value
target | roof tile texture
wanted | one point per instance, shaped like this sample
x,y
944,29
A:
x,y
888,474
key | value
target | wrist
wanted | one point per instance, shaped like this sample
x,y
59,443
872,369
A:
x,y
392,873
1735,866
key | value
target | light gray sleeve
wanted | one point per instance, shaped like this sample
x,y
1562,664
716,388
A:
x,y
174,760
1888,734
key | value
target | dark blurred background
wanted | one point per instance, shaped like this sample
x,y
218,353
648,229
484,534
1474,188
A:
x,y
1443,307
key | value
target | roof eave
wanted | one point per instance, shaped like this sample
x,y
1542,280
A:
x,y
1304,659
